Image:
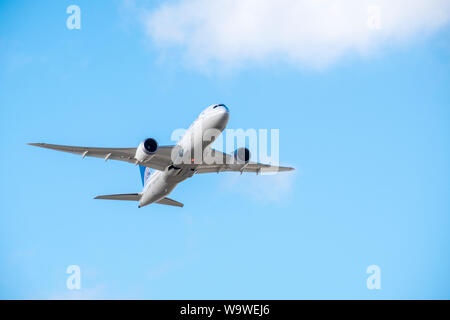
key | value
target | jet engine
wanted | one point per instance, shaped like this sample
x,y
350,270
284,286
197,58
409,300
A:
x,y
146,150
242,155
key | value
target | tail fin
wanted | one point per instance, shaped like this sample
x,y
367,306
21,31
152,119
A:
x,y
145,173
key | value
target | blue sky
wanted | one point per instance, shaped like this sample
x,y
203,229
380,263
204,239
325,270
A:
x,y
367,129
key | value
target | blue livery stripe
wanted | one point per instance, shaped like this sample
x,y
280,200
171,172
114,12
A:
x,y
142,170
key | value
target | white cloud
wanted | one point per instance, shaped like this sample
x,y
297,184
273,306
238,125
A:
x,y
263,188
313,33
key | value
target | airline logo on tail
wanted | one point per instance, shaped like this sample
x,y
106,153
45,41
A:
x,y
145,173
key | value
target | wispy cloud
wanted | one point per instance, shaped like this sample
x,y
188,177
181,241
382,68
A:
x,y
263,188
232,33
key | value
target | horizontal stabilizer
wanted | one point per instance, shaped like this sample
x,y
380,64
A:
x,y
170,202
124,196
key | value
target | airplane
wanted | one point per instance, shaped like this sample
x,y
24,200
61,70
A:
x,y
174,164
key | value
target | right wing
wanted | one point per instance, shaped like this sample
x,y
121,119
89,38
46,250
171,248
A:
x,y
160,161
228,164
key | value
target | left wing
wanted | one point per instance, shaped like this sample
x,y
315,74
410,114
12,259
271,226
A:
x,y
228,164
160,161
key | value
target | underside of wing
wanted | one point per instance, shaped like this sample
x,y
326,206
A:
x,y
163,158
159,161
250,167
225,162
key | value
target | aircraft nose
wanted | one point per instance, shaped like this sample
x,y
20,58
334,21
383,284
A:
x,y
220,116
223,107
224,112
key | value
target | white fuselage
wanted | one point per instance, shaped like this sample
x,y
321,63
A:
x,y
161,183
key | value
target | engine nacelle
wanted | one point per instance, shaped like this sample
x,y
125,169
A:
x,y
146,150
242,155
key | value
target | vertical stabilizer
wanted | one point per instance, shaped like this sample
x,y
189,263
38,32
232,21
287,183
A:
x,y
145,173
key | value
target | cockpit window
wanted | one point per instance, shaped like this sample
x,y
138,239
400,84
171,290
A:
x,y
220,105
